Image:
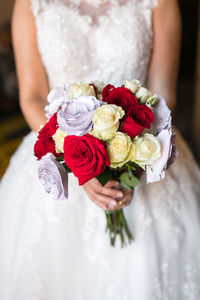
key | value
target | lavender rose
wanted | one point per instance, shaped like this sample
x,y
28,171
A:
x,y
168,154
162,116
174,152
53,177
75,116
163,126
55,98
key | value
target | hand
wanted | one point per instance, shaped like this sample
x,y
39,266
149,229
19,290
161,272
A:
x,y
127,197
108,196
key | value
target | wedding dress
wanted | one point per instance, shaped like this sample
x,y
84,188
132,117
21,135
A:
x,y
60,250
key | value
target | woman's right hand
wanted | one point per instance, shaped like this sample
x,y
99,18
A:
x,y
104,196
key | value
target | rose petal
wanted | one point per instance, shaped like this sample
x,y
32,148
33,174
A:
x,y
75,117
53,177
157,170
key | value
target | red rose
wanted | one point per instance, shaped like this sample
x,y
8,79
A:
x,y
120,96
131,127
108,88
86,156
138,118
45,143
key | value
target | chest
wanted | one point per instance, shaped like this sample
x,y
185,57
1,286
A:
x,y
91,40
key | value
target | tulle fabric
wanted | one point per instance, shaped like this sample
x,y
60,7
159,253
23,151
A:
x,y
60,250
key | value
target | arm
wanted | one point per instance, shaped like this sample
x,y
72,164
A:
x,y
164,63
33,84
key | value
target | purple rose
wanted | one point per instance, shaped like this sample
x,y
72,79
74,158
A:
x,y
75,116
162,116
55,98
174,152
168,154
53,177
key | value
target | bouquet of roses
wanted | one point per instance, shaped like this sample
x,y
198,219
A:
x,y
107,132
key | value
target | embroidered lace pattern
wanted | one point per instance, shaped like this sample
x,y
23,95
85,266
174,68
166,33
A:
x,y
110,43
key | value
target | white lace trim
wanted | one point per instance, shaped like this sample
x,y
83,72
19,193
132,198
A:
x,y
39,5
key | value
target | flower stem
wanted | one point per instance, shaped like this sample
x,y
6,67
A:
x,y
117,225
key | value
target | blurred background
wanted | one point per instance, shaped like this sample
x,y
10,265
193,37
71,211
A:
x,y
187,116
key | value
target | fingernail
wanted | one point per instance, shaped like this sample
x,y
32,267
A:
x,y
117,183
120,195
113,203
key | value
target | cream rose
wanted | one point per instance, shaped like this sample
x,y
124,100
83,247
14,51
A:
x,y
106,121
100,85
120,150
132,153
59,137
99,88
132,85
148,149
143,94
81,89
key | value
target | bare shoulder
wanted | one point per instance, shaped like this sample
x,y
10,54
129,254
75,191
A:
x,y
22,20
166,7
167,16
165,3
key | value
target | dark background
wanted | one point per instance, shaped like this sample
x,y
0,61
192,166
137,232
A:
x,y
183,118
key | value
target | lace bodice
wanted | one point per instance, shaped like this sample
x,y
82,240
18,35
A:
x,y
107,40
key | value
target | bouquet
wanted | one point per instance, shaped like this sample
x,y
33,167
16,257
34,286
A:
x,y
105,132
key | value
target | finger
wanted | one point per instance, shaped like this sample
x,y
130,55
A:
x,y
103,205
109,192
100,204
109,202
92,196
108,206
102,200
111,183
126,199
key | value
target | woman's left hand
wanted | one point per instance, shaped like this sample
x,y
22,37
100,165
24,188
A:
x,y
123,202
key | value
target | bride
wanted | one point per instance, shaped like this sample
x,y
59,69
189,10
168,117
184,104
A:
x,y
59,250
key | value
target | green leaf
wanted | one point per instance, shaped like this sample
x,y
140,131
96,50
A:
x,y
104,177
60,158
127,181
132,165
67,168
130,172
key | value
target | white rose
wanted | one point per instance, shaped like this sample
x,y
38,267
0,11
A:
x,y
132,153
106,121
81,89
59,137
132,85
99,85
148,149
120,150
143,94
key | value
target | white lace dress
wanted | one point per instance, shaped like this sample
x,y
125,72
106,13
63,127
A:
x,y
59,250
